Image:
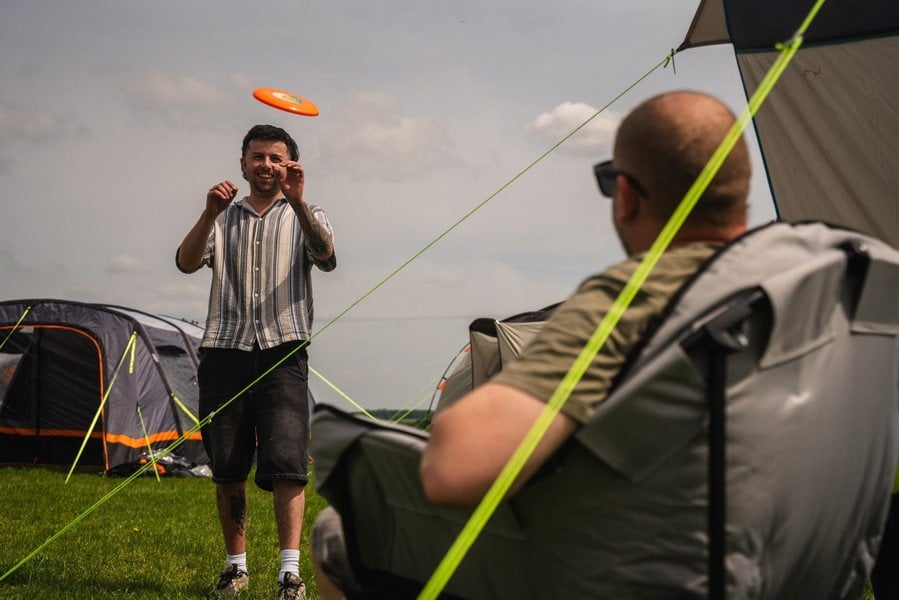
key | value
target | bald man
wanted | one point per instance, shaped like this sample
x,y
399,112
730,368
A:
x,y
660,149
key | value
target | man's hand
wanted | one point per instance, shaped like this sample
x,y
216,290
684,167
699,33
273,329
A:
x,y
219,197
190,253
292,179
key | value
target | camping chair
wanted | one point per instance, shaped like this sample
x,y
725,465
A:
x,y
748,449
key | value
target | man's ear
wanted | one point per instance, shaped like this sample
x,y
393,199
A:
x,y
628,205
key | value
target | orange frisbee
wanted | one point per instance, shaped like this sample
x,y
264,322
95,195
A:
x,y
286,101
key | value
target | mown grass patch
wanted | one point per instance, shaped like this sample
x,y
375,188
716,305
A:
x,y
153,539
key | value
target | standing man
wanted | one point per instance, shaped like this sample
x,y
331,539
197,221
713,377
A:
x,y
253,373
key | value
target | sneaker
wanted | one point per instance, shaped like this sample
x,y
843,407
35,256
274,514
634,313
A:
x,y
232,581
292,588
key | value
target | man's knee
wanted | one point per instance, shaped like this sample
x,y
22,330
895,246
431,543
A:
x,y
329,550
327,538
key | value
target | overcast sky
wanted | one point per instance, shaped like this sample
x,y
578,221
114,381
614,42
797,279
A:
x,y
116,117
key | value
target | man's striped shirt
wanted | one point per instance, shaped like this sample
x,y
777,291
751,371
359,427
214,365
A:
x,y
261,277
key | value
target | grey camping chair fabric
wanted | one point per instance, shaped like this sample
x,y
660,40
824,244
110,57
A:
x,y
368,471
799,325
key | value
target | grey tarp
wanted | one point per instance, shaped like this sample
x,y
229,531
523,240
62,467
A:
x,y
813,436
828,130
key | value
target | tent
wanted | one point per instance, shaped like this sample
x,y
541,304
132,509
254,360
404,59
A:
x,y
827,130
117,381
492,343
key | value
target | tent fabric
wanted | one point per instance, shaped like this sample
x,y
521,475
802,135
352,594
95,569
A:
x,y
812,446
61,360
759,24
492,342
826,130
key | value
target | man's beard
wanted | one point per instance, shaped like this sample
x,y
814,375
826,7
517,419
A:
x,y
265,188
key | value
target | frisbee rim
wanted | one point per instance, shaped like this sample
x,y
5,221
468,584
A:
x,y
304,106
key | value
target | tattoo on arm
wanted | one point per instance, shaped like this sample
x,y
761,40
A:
x,y
317,235
319,240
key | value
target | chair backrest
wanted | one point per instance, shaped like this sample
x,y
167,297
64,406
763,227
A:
x,y
812,409
811,420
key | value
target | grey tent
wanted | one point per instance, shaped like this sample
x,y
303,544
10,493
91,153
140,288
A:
x,y
829,127
493,342
64,364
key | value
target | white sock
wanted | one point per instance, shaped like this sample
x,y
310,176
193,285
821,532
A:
x,y
290,563
238,559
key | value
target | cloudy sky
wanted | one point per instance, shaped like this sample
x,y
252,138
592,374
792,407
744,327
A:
x,y
116,117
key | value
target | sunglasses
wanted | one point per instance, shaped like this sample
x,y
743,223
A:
x,y
606,175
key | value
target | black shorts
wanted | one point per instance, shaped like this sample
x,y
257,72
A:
x,y
271,416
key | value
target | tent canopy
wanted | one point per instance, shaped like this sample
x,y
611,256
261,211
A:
x,y
828,129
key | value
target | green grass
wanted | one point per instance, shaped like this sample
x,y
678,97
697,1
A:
x,y
154,539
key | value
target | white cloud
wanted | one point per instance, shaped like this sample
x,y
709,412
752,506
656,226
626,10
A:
x,y
597,135
126,263
32,124
179,100
378,139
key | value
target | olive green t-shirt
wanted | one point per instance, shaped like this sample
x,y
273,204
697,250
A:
x,y
544,362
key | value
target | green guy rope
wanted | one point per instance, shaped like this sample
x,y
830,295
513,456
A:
x,y
143,426
15,327
115,374
342,394
507,476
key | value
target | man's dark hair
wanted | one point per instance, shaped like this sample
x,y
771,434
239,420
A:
x,y
270,133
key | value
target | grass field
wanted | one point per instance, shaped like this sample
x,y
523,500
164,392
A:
x,y
153,539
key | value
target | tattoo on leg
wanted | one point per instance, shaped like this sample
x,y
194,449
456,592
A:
x,y
237,504
239,511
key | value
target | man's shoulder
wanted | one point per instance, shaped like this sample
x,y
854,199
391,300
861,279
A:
x,y
675,263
